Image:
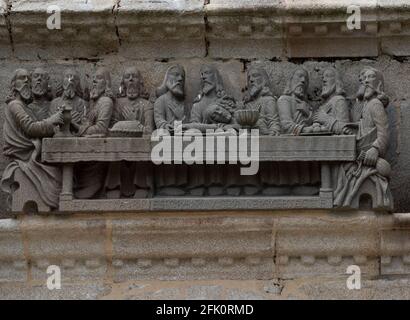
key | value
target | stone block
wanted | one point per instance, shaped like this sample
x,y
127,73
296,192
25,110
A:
x,y
13,263
192,248
78,247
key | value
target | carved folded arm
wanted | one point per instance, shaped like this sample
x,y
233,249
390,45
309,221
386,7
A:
x,y
149,117
104,113
196,114
159,114
272,118
340,117
286,117
33,129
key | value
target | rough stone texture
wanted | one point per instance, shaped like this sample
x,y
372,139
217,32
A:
x,y
129,256
221,245
303,288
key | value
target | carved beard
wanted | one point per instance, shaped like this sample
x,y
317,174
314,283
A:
x,y
96,91
360,91
24,91
38,89
328,90
69,91
369,92
208,87
254,90
176,89
133,90
299,91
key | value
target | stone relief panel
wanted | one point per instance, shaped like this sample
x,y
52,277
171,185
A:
x,y
50,124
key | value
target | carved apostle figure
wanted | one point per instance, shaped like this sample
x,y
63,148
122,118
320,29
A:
x,y
132,103
212,109
90,177
334,113
101,105
212,105
169,108
370,167
22,144
296,117
41,90
71,97
259,97
294,111
170,104
130,179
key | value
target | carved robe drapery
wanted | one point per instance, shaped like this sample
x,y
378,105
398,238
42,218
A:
x,y
78,107
39,109
335,114
89,178
127,176
168,109
22,135
294,113
373,132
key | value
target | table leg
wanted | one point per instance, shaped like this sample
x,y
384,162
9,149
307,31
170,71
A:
x,y
67,187
326,190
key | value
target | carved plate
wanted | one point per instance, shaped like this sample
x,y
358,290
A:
x,y
127,129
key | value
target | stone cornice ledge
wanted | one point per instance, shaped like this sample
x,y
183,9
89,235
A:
x,y
193,28
222,245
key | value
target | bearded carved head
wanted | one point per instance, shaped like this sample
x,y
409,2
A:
x,y
101,85
298,84
332,83
40,83
174,82
258,83
20,86
132,85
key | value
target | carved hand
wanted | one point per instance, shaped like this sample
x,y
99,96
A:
x,y
371,157
347,130
56,119
320,117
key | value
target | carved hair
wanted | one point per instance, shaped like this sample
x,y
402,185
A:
x,y
49,93
78,88
266,90
123,89
288,88
108,88
381,95
339,90
219,86
12,92
163,89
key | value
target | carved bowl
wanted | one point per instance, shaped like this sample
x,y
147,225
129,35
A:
x,y
247,118
127,129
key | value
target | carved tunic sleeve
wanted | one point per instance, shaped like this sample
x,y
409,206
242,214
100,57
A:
x,y
33,129
160,113
148,117
287,117
103,118
380,120
196,114
340,115
271,117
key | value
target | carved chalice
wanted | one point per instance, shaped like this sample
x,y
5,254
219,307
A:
x,y
64,130
246,118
